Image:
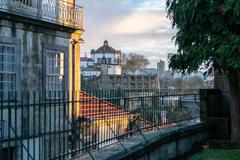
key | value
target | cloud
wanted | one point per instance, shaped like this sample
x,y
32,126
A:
x,y
152,5
138,22
133,26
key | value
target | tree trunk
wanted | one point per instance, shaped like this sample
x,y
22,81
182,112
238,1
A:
x,y
235,105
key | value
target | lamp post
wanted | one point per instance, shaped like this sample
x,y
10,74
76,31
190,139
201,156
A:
x,y
73,42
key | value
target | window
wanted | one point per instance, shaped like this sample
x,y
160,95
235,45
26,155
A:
x,y
55,71
104,60
109,60
99,60
7,71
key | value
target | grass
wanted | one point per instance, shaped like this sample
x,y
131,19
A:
x,y
217,154
218,150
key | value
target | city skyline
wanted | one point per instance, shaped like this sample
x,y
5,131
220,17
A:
x,y
133,26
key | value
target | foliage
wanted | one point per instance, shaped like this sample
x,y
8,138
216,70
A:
x,y
89,83
175,114
208,33
194,82
134,62
208,36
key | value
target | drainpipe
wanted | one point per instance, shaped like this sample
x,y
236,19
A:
x,y
73,42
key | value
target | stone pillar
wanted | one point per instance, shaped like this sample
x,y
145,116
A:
x,y
221,83
210,100
77,79
75,36
211,111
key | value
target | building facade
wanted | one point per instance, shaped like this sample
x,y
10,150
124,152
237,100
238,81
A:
x,y
107,55
35,44
39,43
128,82
161,68
86,62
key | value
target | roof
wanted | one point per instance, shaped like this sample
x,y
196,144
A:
x,y
106,49
86,59
91,69
92,108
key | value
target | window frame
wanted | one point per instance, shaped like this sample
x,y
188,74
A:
x,y
17,67
52,67
56,48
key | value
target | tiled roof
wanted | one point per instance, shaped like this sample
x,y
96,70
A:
x,y
105,49
93,108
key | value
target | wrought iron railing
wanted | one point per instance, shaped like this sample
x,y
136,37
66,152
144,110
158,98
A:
x,y
54,11
39,125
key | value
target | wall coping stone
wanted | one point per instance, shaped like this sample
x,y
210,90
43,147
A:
x,y
139,145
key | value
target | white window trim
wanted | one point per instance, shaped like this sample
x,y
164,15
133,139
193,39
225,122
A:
x,y
54,75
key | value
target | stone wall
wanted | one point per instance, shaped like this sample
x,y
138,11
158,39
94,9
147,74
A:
x,y
163,144
31,41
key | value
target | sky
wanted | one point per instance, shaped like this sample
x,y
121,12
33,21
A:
x,y
132,26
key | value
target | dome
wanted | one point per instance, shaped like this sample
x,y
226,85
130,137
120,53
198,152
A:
x,y
105,42
105,48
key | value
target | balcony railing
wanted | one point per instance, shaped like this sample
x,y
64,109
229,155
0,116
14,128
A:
x,y
53,11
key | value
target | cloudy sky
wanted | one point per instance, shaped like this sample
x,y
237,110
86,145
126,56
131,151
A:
x,y
132,26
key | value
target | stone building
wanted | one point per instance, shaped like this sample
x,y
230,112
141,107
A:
x,y
128,81
108,56
87,62
161,68
39,40
35,44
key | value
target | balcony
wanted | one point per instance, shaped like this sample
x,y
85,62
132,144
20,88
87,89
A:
x,y
52,11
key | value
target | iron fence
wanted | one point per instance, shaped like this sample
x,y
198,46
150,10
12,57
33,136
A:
x,y
60,125
54,11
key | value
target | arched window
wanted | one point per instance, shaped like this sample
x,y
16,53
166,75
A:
x,y
109,60
104,60
99,60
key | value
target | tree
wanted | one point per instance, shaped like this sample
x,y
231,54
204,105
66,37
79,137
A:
x,y
89,83
208,35
134,62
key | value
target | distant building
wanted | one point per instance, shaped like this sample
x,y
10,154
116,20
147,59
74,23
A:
x,y
168,75
146,71
189,75
160,68
108,56
128,81
150,71
86,62
91,72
